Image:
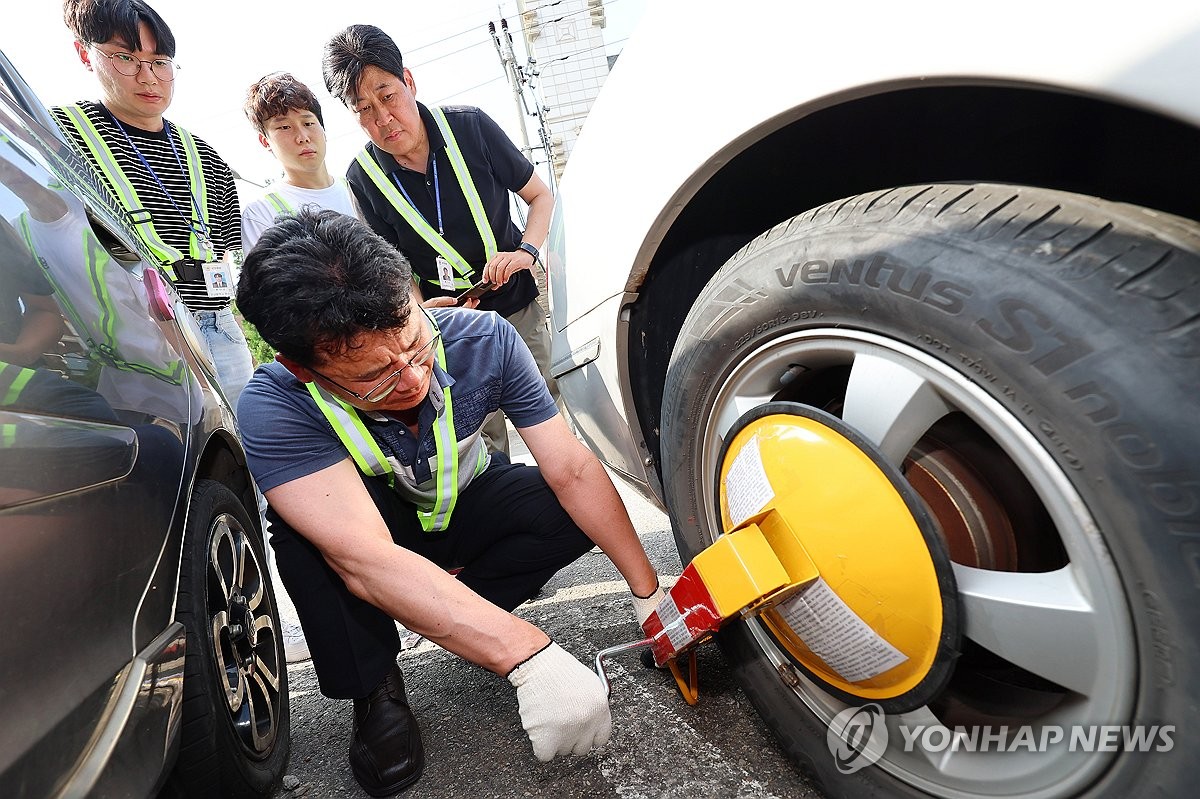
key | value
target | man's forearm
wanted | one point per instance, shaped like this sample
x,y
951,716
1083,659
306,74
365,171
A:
x,y
354,541
593,502
427,600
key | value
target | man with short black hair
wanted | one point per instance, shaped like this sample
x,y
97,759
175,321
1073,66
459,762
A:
x,y
179,192
436,183
365,437
287,117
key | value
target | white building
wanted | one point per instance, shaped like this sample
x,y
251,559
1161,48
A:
x,y
566,38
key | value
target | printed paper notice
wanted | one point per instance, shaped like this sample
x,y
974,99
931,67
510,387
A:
x,y
836,634
747,488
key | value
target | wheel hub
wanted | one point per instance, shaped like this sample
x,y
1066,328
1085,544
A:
x,y
242,633
876,617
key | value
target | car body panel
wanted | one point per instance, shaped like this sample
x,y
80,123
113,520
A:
x,y
701,82
99,447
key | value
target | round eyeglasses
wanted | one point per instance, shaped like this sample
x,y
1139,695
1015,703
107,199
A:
x,y
130,65
385,386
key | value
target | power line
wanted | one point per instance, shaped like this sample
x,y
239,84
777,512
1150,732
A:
x,y
586,50
472,88
477,44
447,55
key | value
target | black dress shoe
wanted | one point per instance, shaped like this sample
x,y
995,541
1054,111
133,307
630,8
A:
x,y
386,754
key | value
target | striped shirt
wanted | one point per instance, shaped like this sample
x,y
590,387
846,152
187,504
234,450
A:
x,y
224,213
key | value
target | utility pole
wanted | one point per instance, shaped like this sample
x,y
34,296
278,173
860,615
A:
x,y
508,63
521,79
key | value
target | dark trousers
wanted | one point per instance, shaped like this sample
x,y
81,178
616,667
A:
x,y
508,534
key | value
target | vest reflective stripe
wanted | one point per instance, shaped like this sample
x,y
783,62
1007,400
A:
x,y
417,222
277,201
371,461
283,206
128,196
446,442
98,261
474,202
199,185
353,434
76,321
13,380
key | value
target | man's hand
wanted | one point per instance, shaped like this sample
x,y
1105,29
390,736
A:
x,y
643,606
563,704
504,265
448,302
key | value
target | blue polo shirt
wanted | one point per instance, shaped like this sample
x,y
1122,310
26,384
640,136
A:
x,y
488,367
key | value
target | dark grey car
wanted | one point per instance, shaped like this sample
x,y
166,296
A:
x,y
139,650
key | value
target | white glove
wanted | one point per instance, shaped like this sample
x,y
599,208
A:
x,y
644,607
563,704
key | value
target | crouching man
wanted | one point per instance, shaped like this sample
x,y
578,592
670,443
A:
x,y
365,437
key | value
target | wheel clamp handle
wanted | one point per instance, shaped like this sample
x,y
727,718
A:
x,y
738,575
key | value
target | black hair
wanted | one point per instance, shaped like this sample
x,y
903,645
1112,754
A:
x,y
96,21
348,53
316,280
275,94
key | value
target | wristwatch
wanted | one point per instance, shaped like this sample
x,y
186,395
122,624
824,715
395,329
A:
x,y
529,248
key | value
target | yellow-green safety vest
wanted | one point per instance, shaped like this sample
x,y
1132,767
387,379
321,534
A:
x,y
128,196
413,217
434,511
281,204
13,380
98,261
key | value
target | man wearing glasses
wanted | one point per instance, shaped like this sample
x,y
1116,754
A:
x,y
365,437
179,192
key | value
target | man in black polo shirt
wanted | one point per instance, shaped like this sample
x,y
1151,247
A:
x,y
435,183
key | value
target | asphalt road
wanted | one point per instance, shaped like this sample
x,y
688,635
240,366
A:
x,y
661,747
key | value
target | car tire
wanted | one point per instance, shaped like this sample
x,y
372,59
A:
x,y
235,735
1030,359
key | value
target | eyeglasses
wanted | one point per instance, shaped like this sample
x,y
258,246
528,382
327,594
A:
x,y
130,65
384,386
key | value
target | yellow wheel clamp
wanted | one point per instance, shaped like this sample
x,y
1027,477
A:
x,y
833,552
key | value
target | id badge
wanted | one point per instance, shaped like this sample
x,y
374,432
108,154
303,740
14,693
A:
x,y
218,278
445,274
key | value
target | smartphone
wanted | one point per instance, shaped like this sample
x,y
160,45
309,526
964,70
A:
x,y
478,290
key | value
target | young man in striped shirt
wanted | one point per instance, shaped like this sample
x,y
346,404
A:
x,y
287,116
179,192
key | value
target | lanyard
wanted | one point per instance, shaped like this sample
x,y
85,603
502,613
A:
x,y
403,205
201,232
437,195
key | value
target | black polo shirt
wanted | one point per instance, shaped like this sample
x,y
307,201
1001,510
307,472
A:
x,y
496,166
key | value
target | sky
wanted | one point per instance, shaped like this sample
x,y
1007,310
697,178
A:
x,y
222,46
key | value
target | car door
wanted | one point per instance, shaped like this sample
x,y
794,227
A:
x,y
94,410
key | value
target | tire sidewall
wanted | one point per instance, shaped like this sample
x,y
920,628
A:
x,y
213,761
1003,320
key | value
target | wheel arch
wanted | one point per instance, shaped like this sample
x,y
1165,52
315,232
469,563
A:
x,y
1032,135
224,461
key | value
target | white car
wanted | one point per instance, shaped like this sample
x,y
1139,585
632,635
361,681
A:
x,y
918,285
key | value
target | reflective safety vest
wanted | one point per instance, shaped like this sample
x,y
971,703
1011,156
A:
x,y
434,506
13,380
418,223
102,337
281,204
128,196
